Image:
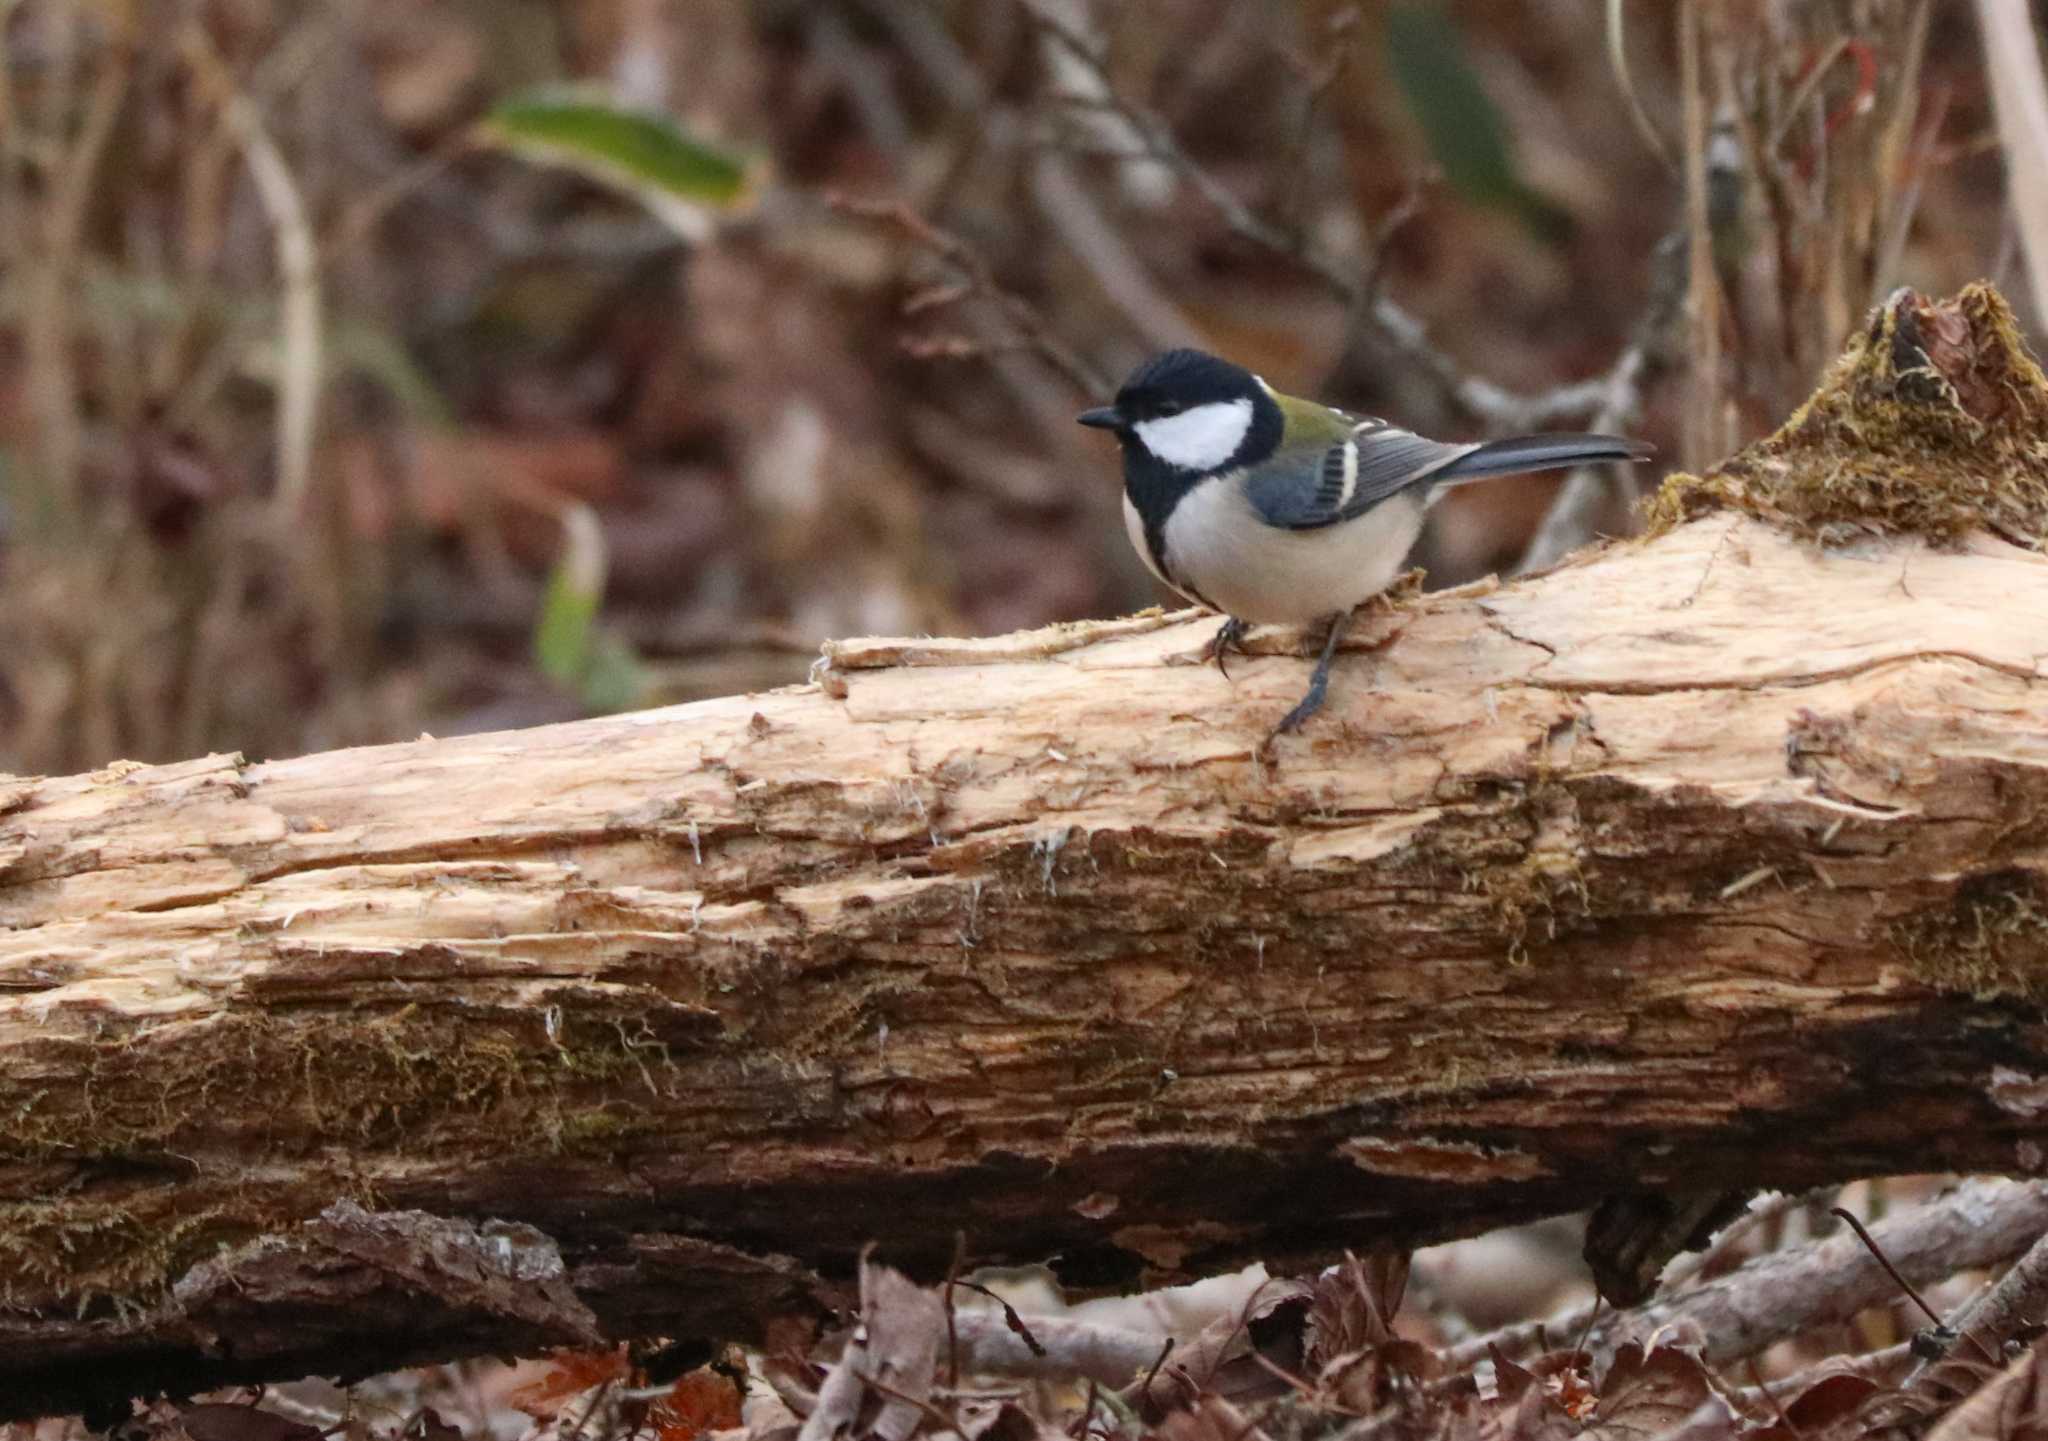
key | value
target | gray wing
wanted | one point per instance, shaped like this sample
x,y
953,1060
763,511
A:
x,y
1320,486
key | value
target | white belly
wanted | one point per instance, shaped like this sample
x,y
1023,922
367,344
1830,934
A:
x,y
1281,577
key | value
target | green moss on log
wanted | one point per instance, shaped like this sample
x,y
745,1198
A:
x,y
393,1079
147,1100
1988,940
1933,423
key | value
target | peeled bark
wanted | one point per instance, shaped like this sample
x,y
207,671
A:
x,y
1711,860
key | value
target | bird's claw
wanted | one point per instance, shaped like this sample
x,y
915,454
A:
x,y
1229,636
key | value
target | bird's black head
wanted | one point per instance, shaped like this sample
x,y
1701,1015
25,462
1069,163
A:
x,y
1192,413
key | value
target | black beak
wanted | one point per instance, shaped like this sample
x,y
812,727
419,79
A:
x,y
1103,417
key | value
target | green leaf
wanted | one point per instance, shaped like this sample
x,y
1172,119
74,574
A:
x,y
568,609
568,645
614,679
645,154
1467,137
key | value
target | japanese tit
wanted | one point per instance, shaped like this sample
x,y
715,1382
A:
x,y
1279,511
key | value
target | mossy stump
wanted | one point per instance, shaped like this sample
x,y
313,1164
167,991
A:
x,y
1933,423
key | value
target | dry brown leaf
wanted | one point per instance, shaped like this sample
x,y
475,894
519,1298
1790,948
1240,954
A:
x,y
703,1400
1536,1416
2012,1406
1547,1400
1828,1400
1647,1393
1241,1355
1351,1351
1352,1306
1211,1419
570,1374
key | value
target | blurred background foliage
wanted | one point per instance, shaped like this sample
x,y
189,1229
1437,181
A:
x,y
371,367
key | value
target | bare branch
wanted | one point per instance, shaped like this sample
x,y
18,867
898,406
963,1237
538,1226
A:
x,y
1030,326
1993,1317
1979,1223
1493,405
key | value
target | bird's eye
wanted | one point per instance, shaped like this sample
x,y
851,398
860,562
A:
x,y
1169,407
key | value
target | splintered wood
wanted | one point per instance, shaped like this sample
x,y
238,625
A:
x,y
1712,860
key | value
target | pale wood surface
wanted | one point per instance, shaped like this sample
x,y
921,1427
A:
x,y
1678,865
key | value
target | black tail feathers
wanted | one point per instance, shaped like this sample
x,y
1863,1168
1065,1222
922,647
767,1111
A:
x,y
1522,453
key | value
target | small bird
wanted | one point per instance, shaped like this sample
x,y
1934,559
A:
x,y
1279,511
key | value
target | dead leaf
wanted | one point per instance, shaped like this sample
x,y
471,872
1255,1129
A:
x,y
896,1344
2012,1406
1351,1351
569,1374
1210,1419
1828,1400
1242,1354
1648,1393
703,1400
1549,1399
1352,1305
1535,1416
211,1421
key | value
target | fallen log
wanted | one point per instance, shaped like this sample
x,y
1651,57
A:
x,y
1718,858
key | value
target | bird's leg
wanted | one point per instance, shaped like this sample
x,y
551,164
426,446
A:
x,y
1229,637
1319,682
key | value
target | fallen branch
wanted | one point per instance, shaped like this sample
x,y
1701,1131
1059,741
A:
x,y
2006,1313
1652,866
1785,1293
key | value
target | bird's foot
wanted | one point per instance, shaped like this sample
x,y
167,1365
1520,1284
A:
x,y
1230,636
1318,682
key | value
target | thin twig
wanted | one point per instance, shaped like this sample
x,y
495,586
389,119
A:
x,y
1904,151
52,378
1145,1386
1884,1261
1703,289
1592,1316
1339,33
952,1321
2019,95
1082,1426
1796,106
1756,1377
604,1390
1780,1294
360,221
1492,404
1011,1318
1996,1314
1390,225
1617,61
1878,1367
1094,240
298,265
1023,316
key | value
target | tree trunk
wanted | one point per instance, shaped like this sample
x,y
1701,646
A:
x,y
1714,859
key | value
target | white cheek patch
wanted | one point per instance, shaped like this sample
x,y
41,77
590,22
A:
x,y
1198,439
